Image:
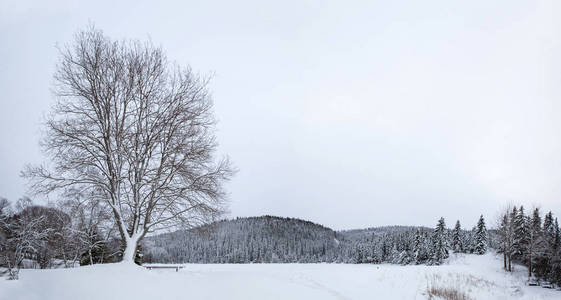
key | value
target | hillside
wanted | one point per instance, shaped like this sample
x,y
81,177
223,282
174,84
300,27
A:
x,y
244,240
269,239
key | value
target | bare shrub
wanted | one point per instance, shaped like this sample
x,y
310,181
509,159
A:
x,y
448,293
453,286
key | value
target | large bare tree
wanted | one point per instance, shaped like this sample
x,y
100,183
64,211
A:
x,y
135,131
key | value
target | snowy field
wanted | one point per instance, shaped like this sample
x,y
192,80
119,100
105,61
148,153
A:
x,y
480,277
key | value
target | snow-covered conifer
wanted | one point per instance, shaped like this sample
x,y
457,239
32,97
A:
x,y
457,243
535,241
481,236
440,243
520,240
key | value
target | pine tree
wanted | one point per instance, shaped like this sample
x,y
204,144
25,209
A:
x,y
549,232
481,236
546,249
457,244
417,258
440,243
394,255
557,234
556,260
535,242
520,241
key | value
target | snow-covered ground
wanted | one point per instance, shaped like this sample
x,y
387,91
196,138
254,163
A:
x,y
480,277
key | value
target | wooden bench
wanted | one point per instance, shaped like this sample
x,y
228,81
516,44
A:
x,y
547,285
164,267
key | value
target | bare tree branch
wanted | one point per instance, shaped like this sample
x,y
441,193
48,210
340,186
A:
x,y
136,130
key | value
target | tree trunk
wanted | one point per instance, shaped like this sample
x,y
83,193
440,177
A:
x,y
530,264
101,260
504,255
74,260
129,252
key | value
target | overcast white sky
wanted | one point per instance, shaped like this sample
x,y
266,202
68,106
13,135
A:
x,y
349,114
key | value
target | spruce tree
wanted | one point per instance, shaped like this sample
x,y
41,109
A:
x,y
457,244
544,255
535,242
440,243
549,231
556,260
481,236
417,248
520,241
557,234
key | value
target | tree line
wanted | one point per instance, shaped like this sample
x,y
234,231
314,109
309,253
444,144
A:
x,y
526,239
71,233
83,232
271,239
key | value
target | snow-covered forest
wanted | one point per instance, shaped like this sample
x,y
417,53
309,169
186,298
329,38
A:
x,y
423,261
267,239
46,237
270,239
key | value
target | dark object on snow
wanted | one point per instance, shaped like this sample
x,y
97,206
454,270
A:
x,y
532,283
547,285
165,267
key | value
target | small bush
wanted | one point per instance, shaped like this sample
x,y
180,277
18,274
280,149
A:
x,y
10,273
447,293
453,286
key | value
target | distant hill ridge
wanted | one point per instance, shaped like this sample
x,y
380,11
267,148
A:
x,y
265,239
